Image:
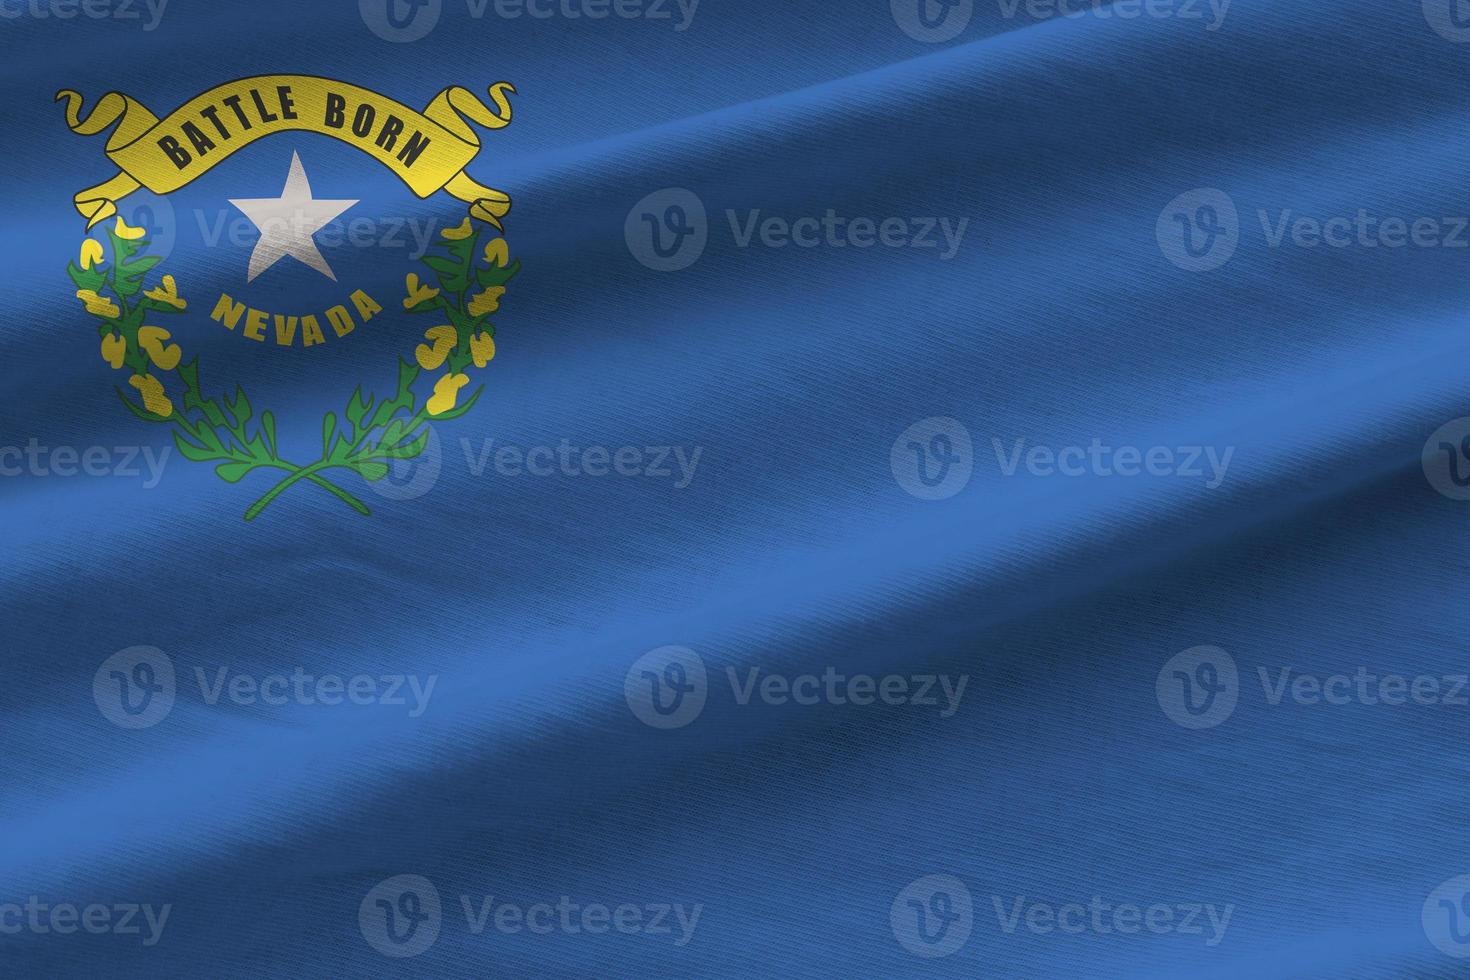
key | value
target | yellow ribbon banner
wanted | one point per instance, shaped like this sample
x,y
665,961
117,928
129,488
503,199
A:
x,y
427,150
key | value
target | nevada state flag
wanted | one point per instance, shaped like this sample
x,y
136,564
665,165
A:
x,y
694,489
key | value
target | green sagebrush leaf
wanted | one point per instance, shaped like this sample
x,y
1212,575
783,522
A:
x,y
137,267
189,371
357,408
85,278
211,439
497,276
240,407
268,426
212,412
461,248
329,429
124,249
127,287
453,276
409,449
190,451
402,401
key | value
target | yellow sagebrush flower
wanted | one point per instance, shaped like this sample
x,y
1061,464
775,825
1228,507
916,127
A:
x,y
443,338
497,253
446,393
482,349
417,292
167,293
113,350
456,234
91,256
126,231
154,397
486,302
151,340
98,305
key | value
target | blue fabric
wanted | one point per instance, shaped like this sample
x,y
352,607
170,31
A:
x,y
1081,765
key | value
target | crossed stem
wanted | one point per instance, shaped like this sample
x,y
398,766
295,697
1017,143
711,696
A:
x,y
305,473
311,473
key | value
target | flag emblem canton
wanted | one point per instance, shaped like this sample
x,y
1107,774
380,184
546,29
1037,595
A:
x,y
456,288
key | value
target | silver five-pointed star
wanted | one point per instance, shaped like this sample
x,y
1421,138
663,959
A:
x,y
287,223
